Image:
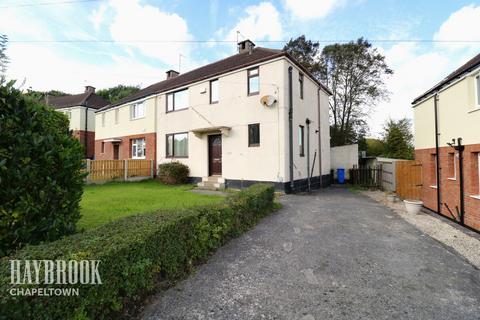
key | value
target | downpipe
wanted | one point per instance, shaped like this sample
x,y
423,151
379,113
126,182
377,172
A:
x,y
290,128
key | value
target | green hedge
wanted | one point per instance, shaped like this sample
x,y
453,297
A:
x,y
173,172
136,254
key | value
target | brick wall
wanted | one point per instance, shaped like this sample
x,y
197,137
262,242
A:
x,y
125,147
449,187
90,135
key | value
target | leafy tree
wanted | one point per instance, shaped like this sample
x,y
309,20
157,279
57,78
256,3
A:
x,y
39,96
355,74
117,93
398,139
40,172
375,147
3,57
306,52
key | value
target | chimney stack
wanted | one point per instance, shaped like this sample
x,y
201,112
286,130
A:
x,y
89,89
172,74
246,46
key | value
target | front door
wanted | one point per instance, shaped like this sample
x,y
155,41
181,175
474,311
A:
x,y
215,155
116,148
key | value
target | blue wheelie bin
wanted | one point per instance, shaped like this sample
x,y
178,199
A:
x,y
341,175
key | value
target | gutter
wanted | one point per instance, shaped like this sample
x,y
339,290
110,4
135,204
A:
x,y
290,128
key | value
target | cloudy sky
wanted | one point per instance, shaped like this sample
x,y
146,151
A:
x,y
67,44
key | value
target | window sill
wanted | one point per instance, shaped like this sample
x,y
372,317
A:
x,y
475,197
474,110
143,158
171,111
254,93
433,187
213,102
254,145
132,119
452,179
176,157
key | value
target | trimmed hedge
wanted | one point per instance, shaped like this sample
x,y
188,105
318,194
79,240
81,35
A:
x,y
173,172
136,253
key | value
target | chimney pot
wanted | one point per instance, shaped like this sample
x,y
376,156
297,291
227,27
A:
x,y
172,74
89,89
246,46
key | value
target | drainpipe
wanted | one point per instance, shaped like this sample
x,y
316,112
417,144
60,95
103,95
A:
x,y
437,151
307,122
461,148
290,128
319,138
86,131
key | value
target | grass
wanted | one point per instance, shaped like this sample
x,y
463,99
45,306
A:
x,y
111,201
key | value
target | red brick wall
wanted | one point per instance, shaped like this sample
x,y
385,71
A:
x,y
90,135
125,151
450,189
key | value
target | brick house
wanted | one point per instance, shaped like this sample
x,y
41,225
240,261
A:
x,y
451,110
257,115
80,110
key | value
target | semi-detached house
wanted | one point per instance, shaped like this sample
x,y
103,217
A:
x,y
451,110
255,116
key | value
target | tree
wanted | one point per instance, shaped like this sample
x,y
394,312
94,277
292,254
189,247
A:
x,y
375,147
117,93
40,172
355,74
305,52
398,139
3,56
39,96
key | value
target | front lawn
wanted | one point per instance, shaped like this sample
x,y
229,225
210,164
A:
x,y
111,201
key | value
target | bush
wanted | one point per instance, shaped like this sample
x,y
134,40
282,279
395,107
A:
x,y
40,172
135,252
173,172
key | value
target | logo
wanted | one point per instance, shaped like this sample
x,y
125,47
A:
x,y
28,277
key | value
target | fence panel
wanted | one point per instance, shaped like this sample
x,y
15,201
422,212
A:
x,y
409,179
367,177
115,170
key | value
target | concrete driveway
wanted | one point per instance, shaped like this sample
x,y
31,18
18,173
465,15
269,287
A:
x,y
329,255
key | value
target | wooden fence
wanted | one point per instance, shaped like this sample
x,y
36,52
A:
x,y
366,177
409,179
118,170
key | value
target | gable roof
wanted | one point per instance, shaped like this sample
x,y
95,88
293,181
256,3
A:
x,y
234,62
86,99
467,67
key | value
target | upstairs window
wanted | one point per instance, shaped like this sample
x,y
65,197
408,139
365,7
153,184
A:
x,y
138,110
254,135
177,100
214,91
177,145
138,148
477,83
253,81
301,140
300,82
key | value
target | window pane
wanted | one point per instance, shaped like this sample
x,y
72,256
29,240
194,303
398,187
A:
x,y
134,149
181,99
214,91
181,145
170,102
140,110
253,84
253,134
169,145
300,140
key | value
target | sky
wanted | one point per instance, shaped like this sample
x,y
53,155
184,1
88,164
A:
x,y
67,44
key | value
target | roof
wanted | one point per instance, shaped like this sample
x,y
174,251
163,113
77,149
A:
x,y
234,62
467,67
86,99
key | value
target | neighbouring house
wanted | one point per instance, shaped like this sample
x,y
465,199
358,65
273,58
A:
x,y
451,110
80,110
255,116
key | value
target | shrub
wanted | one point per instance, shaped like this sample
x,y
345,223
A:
x,y
173,172
40,165
135,252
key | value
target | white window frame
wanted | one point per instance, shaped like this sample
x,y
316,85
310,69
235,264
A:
x,y
136,144
172,97
135,110
455,155
212,83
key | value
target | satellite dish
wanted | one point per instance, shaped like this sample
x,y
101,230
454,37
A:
x,y
268,101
